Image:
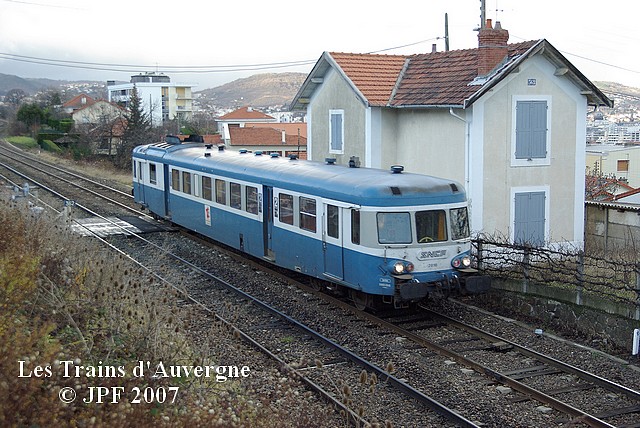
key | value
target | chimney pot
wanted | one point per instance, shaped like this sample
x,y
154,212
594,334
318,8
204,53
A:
x,y
434,48
492,47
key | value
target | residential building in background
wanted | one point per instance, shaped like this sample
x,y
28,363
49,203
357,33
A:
x,y
508,121
621,162
162,100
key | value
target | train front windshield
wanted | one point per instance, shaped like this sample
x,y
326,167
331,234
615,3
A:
x,y
431,226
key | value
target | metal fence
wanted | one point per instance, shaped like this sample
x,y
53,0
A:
x,y
614,276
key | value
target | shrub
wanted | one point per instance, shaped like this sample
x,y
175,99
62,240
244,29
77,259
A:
x,y
50,146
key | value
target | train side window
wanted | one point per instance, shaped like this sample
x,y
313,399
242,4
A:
x,y
135,175
286,208
221,192
152,174
206,188
175,179
355,227
333,213
307,214
235,194
186,182
252,199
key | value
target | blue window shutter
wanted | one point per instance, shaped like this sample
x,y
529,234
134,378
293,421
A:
x,y
336,131
529,222
531,129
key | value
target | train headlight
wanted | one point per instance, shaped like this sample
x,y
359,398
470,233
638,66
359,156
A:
x,y
461,262
402,267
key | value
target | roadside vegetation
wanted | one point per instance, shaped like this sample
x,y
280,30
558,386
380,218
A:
x,y
69,299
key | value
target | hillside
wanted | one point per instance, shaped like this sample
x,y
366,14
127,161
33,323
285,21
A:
x,y
259,90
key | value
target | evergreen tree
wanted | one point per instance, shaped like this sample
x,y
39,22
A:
x,y
137,130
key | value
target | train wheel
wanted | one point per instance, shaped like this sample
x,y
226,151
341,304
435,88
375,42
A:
x,y
317,284
360,299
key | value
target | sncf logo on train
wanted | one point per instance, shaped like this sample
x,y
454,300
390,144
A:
x,y
432,254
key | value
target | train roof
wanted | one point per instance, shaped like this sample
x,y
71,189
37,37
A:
x,y
362,186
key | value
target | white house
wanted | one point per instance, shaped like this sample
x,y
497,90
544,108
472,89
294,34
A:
x,y
506,120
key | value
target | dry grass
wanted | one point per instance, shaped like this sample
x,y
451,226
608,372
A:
x,y
63,298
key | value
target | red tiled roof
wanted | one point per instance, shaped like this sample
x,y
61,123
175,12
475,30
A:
x,y
375,76
248,137
442,78
76,102
291,128
437,78
246,113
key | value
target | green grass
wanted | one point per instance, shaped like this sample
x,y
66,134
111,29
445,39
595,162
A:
x,y
26,142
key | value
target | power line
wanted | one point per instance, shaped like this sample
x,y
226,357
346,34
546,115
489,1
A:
x,y
137,67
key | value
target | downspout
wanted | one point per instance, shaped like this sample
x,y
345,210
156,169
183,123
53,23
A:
x,y
467,162
467,149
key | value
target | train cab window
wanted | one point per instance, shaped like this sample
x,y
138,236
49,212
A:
x,y
235,193
307,214
333,221
206,188
431,226
135,175
221,192
394,228
286,208
252,199
355,227
186,182
152,174
175,179
459,223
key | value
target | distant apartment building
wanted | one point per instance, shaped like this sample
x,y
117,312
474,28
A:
x,y
615,161
606,132
161,100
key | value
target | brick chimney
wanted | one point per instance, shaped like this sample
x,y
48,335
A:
x,y
492,47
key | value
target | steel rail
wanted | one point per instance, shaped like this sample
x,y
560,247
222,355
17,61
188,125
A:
x,y
73,174
355,418
93,192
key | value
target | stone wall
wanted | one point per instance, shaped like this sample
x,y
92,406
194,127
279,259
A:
x,y
600,323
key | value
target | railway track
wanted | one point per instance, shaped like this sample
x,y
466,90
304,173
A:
x,y
441,415
425,336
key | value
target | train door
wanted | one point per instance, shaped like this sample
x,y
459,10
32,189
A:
x,y
332,241
267,221
167,188
138,179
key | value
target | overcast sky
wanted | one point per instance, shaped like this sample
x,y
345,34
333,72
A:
x,y
113,39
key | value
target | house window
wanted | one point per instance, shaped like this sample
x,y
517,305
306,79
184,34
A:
x,y
336,131
623,165
531,130
529,218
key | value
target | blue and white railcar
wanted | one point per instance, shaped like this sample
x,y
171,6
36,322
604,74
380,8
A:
x,y
394,235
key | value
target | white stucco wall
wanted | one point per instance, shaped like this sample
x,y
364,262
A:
x,y
561,175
